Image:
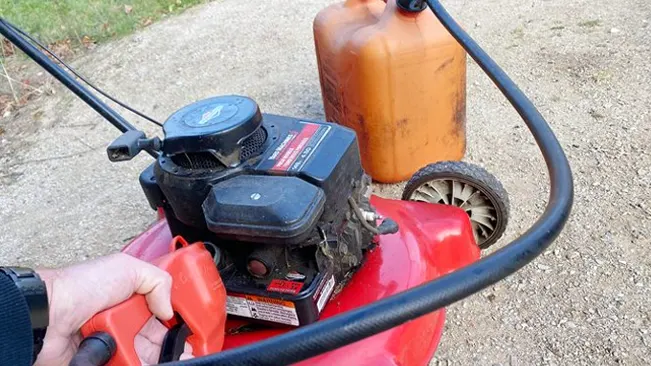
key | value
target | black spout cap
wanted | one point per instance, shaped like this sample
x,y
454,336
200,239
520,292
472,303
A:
x,y
412,6
95,350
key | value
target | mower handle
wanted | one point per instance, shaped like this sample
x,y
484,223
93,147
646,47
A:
x,y
354,325
113,117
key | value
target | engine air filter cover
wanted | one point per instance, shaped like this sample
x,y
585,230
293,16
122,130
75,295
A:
x,y
217,125
264,209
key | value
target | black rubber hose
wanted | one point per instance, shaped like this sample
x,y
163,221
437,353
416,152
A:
x,y
352,326
94,350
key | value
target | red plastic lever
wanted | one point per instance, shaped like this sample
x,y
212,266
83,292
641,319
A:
x,y
198,296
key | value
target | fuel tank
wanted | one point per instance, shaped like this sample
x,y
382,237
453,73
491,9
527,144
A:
x,y
333,27
396,77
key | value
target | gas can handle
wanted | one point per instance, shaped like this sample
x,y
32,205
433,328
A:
x,y
198,299
122,322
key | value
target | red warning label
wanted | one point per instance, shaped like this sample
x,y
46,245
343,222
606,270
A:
x,y
286,287
297,146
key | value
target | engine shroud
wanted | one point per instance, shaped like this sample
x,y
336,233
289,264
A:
x,y
271,192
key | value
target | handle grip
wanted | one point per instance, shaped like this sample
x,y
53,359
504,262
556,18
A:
x,y
198,297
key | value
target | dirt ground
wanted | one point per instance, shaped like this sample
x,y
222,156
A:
x,y
584,63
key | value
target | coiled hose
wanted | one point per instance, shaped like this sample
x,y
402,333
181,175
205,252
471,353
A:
x,y
352,326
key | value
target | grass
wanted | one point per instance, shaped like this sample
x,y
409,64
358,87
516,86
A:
x,y
66,25
80,22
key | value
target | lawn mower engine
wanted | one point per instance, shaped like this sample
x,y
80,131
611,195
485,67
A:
x,y
282,202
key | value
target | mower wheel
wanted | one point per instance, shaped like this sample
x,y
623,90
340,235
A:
x,y
466,186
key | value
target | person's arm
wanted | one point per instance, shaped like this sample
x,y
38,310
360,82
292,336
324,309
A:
x,y
67,298
16,344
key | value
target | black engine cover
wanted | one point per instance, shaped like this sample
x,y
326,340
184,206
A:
x,y
322,154
272,193
267,209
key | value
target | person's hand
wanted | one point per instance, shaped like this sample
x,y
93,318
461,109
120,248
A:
x,y
78,292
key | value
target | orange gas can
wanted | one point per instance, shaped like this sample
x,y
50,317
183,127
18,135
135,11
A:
x,y
333,28
398,78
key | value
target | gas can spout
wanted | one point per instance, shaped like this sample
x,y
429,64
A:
x,y
412,6
95,350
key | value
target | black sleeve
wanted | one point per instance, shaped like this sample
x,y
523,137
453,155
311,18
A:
x,y
15,327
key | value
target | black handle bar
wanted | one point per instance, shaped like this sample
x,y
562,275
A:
x,y
11,33
354,325
7,30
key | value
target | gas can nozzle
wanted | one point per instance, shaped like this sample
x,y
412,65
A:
x,y
412,6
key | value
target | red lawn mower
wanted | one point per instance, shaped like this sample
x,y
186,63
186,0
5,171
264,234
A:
x,y
278,251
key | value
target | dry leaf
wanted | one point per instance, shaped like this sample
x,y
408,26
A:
x,y
63,48
88,42
147,21
128,9
7,47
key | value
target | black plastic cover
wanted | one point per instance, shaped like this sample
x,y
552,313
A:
x,y
152,191
219,124
264,209
329,159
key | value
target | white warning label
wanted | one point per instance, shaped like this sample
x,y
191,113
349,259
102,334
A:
x,y
238,306
264,308
325,294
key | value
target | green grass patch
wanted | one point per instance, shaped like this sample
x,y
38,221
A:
x,y
83,21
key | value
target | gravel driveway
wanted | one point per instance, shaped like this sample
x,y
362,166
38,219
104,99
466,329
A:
x,y
584,63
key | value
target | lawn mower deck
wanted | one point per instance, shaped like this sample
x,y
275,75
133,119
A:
x,y
433,240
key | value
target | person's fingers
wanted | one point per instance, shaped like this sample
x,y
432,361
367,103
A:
x,y
82,290
149,341
156,285
147,351
154,331
87,288
187,352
